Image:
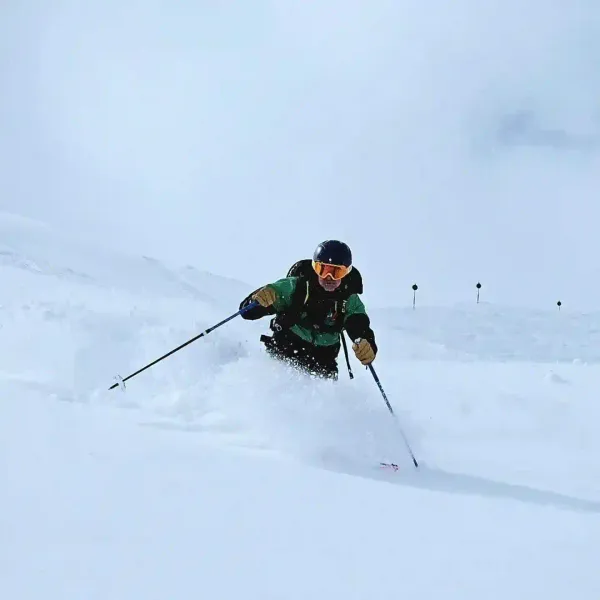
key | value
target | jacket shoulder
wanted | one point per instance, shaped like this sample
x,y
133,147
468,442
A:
x,y
355,282
301,268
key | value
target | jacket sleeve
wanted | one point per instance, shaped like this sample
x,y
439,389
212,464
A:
x,y
357,322
284,288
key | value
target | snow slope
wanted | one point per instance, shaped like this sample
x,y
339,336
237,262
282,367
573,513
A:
x,y
221,474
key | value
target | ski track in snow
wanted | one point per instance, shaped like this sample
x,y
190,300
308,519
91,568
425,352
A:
x,y
500,406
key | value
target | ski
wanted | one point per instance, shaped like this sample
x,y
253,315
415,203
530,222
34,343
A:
x,y
392,466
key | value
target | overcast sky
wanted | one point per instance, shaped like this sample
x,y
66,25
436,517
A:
x,y
445,142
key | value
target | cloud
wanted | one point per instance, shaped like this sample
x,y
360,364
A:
x,y
445,142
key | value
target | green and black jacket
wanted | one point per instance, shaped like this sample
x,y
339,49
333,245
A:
x,y
313,314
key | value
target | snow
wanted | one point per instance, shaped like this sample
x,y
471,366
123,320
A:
x,y
219,473
161,160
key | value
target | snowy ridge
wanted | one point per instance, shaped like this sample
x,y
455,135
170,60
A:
x,y
219,459
35,248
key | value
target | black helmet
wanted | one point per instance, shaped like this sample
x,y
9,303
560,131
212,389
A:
x,y
333,252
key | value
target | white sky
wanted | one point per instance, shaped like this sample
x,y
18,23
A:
x,y
445,142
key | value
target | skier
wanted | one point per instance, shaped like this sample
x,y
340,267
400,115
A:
x,y
311,308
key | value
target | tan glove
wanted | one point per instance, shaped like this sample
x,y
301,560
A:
x,y
364,352
265,296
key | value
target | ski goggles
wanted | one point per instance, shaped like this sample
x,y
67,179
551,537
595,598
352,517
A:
x,y
324,270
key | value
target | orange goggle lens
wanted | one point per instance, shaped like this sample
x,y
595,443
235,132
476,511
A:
x,y
324,270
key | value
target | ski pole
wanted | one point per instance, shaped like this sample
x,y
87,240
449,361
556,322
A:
x,y
121,381
346,355
393,414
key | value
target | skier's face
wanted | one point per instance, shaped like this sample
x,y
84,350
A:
x,y
329,284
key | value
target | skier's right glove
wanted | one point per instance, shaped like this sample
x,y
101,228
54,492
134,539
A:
x,y
265,296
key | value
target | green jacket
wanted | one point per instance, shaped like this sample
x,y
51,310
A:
x,y
318,317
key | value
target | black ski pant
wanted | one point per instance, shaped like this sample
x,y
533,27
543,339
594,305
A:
x,y
317,360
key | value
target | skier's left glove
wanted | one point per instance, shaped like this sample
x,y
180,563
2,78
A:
x,y
364,352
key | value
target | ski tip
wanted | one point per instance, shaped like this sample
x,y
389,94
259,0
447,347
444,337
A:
x,y
391,466
394,466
